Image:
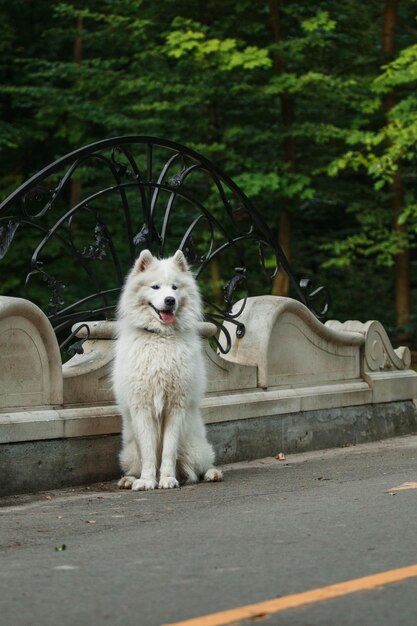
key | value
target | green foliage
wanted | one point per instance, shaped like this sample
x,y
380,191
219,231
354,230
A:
x,y
211,75
189,39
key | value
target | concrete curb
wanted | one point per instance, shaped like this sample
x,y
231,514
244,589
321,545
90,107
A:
x,y
50,464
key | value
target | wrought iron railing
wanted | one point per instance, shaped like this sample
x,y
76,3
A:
x,y
77,226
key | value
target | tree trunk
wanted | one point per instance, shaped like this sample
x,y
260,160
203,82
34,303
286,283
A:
x,y
281,283
215,263
75,186
78,44
216,281
402,260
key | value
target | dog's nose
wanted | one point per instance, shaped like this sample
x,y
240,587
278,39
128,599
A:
x,y
169,301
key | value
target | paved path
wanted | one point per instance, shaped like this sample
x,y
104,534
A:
x,y
272,529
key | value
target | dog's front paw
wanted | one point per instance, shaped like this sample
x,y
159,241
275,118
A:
x,y
168,482
213,475
126,482
144,484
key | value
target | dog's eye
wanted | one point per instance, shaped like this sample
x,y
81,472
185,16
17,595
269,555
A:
x,y
174,287
155,286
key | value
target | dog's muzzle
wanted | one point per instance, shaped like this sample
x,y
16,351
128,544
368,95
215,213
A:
x,y
167,316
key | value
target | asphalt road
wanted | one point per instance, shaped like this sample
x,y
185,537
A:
x,y
97,555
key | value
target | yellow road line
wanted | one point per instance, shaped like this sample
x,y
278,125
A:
x,y
301,599
403,487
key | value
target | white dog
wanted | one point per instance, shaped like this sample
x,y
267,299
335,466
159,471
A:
x,y
159,377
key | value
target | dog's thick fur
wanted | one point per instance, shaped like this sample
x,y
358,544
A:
x,y
159,377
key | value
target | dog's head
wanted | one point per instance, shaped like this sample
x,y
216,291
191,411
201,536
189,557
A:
x,y
159,284
160,295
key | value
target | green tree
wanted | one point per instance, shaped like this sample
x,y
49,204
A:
x,y
291,99
382,146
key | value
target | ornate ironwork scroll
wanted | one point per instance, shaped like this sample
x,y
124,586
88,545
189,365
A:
x,y
79,224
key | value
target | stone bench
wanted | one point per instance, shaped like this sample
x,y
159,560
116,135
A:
x,y
279,379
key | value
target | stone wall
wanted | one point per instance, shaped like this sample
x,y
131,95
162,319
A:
x,y
287,367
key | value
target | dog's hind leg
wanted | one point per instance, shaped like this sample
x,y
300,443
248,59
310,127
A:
x,y
208,472
212,475
129,456
198,454
130,463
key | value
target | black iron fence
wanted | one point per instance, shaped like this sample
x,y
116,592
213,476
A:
x,y
70,233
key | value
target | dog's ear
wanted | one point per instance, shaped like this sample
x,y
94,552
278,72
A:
x,y
181,261
144,260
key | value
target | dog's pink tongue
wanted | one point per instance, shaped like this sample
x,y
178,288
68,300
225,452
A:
x,y
167,317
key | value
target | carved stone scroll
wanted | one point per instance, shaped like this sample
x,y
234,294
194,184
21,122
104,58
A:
x,y
378,351
291,347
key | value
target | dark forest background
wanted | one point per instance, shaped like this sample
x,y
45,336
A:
x,y
311,107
